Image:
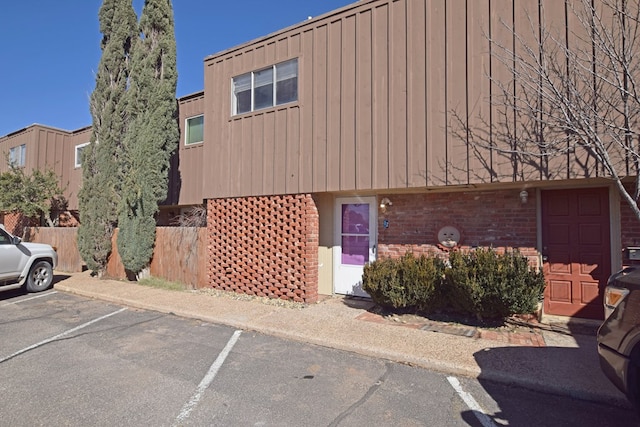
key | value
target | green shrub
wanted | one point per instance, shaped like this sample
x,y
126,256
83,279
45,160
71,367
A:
x,y
463,290
408,282
487,284
524,286
482,283
381,280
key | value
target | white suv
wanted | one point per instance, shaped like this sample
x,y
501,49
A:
x,y
25,264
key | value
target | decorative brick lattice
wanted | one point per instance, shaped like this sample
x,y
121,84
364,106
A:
x,y
15,223
264,246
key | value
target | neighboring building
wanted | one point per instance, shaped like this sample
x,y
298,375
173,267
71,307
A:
x,y
324,145
44,147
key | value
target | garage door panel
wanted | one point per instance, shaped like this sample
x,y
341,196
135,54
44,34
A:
x,y
590,292
589,205
576,244
590,234
560,291
558,235
561,262
558,205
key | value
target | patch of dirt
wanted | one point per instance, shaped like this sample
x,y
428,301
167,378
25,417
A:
x,y
516,324
244,297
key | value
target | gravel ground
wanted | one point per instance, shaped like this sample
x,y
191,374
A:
x,y
244,297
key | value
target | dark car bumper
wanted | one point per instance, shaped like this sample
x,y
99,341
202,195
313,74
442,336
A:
x,y
614,365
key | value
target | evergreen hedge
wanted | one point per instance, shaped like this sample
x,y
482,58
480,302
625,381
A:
x,y
481,282
409,282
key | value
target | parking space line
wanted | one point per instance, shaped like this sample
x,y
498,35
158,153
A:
x,y
70,331
29,299
477,410
208,378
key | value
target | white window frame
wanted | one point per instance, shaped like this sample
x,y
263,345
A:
x,y
78,159
186,130
17,155
274,83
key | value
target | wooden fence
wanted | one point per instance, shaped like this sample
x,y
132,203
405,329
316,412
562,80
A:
x,y
64,240
179,254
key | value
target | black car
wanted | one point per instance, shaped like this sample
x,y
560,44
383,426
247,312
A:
x,y
619,335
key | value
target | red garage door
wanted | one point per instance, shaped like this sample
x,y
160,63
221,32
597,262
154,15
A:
x,y
576,248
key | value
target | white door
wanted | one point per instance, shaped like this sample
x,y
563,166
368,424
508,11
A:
x,y
355,242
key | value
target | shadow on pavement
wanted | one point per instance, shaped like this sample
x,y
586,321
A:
x,y
6,294
570,369
57,278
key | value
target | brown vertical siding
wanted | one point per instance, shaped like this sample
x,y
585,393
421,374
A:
x,y
456,85
553,17
501,12
363,100
380,106
478,89
386,88
269,150
347,85
398,94
333,105
72,176
185,174
306,123
416,95
436,94
526,15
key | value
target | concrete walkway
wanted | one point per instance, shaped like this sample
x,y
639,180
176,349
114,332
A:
x,y
565,363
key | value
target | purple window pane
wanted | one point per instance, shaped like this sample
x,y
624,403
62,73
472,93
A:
x,y
355,250
355,218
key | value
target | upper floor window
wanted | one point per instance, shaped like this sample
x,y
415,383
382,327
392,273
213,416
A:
x,y
194,132
266,88
78,158
17,155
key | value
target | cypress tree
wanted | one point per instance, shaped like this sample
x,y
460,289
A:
x,y
101,174
152,133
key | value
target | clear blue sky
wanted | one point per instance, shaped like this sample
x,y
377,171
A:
x,y
49,50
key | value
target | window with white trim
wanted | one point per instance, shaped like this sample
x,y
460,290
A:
x,y
17,155
78,158
268,87
194,130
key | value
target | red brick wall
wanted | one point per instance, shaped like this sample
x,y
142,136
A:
x,y
264,246
495,219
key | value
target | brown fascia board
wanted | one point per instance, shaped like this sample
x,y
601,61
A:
x,y
82,129
194,95
37,125
299,25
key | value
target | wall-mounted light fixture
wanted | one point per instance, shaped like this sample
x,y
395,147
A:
x,y
385,202
524,196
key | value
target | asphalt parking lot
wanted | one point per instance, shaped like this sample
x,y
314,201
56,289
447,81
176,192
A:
x,y
68,360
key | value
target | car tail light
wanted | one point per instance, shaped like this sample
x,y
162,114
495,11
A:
x,y
612,297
